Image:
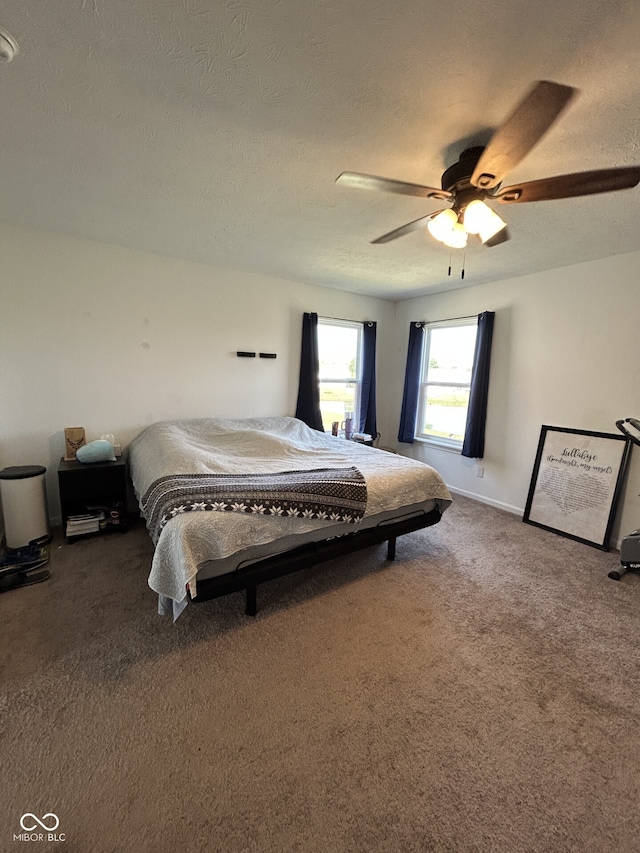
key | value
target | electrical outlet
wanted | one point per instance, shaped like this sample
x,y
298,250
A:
x,y
479,471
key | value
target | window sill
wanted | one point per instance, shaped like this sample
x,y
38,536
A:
x,y
438,445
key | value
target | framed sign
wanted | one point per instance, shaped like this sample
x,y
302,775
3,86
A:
x,y
576,483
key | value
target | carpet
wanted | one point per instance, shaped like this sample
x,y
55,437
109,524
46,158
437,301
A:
x,y
481,693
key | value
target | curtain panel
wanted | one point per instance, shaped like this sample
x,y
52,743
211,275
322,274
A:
x,y
409,411
367,420
308,405
473,445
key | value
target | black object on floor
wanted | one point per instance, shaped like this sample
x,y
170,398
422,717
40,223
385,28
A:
x,y
18,566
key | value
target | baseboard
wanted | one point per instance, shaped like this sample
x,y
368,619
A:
x,y
614,546
514,510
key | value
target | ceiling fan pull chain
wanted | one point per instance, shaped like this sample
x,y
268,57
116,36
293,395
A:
x,y
449,273
464,260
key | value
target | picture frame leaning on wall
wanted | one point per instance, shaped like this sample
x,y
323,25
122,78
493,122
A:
x,y
576,483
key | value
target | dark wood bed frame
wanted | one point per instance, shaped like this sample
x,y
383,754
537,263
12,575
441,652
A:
x,y
306,556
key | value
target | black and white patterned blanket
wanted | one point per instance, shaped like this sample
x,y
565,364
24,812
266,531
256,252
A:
x,y
335,494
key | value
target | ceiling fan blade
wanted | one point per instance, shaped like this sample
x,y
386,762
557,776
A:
x,y
407,229
372,182
576,184
518,134
501,237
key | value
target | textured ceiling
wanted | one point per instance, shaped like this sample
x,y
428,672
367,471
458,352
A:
x,y
214,131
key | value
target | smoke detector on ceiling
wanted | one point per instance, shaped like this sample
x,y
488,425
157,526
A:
x,y
8,46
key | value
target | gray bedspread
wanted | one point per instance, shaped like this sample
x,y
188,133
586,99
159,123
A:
x,y
257,446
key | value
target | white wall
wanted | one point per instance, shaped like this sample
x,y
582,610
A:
x,y
566,353
112,340
109,339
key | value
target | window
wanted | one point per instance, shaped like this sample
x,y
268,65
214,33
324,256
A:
x,y
447,361
340,357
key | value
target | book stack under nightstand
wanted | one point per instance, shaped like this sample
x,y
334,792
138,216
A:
x,y
89,522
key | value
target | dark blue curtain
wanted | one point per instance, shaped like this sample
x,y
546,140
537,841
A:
x,y
409,412
367,422
473,444
308,406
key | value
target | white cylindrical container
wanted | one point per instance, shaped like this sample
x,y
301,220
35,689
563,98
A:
x,y
24,505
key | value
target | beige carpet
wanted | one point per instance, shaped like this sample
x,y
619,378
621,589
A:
x,y
482,693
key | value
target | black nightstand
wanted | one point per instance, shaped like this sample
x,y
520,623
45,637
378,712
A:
x,y
93,497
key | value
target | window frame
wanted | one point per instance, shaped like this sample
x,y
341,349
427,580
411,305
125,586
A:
x,y
357,380
439,441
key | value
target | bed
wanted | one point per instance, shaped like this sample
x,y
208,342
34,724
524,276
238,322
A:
x,y
230,504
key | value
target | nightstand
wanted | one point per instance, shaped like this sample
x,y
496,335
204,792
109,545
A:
x,y
93,497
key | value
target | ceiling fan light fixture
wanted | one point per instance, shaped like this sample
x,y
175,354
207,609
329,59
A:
x,y
476,216
457,238
442,225
480,219
491,227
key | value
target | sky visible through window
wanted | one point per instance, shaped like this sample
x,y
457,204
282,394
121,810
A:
x,y
451,354
338,349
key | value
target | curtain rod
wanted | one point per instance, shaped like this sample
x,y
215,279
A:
x,y
449,319
343,320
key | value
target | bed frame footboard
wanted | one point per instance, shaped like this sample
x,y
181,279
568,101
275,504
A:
x,y
305,556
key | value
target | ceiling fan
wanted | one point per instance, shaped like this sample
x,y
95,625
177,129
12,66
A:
x,y
477,176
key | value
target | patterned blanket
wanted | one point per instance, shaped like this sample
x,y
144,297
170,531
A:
x,y
335,494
